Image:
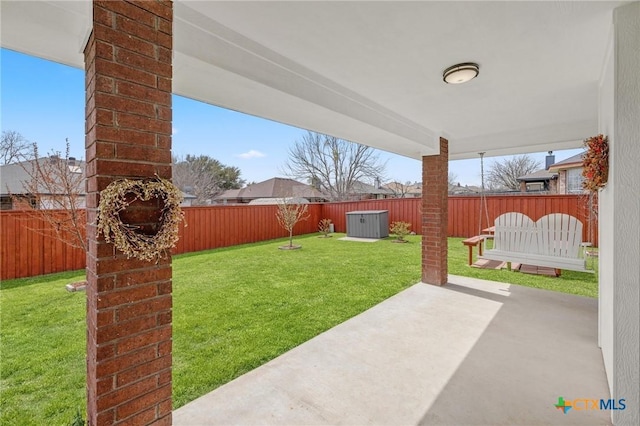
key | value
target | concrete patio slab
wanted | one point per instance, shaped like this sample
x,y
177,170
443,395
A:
x,y
472,352
360,239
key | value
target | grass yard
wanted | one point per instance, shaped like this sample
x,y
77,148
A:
x,y
42,358
248,304
234,309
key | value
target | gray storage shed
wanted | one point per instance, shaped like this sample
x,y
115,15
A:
x,y
368,224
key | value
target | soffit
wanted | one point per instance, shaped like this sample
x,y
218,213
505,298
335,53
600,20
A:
x,y
371,71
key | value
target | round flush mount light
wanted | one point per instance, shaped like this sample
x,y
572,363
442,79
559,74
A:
x,y
461,73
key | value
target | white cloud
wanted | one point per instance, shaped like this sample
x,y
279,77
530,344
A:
x,y
251,154
174,130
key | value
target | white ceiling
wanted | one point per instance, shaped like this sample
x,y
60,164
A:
x,y
371,72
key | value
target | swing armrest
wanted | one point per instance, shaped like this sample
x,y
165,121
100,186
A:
x,y
486,237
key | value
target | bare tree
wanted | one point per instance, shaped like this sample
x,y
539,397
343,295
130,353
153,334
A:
x,y
504,174
332,165
13,147
55,185
204,177
452,179
290,213
194,177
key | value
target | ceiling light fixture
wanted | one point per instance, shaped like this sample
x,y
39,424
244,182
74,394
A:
x,y
461,73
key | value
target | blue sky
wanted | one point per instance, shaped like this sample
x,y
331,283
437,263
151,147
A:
x,y
44,101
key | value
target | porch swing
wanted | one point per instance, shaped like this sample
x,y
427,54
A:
x,y
553,241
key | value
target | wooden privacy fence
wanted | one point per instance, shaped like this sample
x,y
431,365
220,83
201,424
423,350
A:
x,y
27,247
222,226
464,211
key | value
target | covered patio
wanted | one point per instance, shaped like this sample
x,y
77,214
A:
x,y
551,75
473,352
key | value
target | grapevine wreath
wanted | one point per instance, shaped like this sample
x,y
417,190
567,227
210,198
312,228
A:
x,y
595,163
127,238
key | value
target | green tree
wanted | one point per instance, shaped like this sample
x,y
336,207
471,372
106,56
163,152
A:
x,y
204,177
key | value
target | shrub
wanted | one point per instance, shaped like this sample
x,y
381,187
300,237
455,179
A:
x,y
400,230
324,226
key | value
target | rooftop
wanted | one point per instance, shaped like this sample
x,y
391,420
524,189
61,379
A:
x,y
572,161
13,176
540,175
273,188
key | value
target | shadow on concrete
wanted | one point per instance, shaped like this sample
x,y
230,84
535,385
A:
x,y
539,346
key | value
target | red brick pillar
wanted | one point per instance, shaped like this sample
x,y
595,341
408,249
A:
x,y
128,134
435,202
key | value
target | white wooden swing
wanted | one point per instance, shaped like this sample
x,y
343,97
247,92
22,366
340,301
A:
x,y
553,241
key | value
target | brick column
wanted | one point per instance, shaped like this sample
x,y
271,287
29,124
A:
x,y
435,202
128,134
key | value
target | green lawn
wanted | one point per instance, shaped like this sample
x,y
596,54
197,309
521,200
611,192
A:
x,y
234,309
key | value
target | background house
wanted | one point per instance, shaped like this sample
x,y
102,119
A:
x,y
404,190
16,186
15,178
278,188
275,188
364,191
539,181
274,201
563,177
569,173
457,189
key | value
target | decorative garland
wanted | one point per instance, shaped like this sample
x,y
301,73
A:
x,y
595,163
127,238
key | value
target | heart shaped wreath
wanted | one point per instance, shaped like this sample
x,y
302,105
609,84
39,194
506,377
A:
x,y
128,238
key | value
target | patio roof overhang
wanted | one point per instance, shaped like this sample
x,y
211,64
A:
x,y
372,72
